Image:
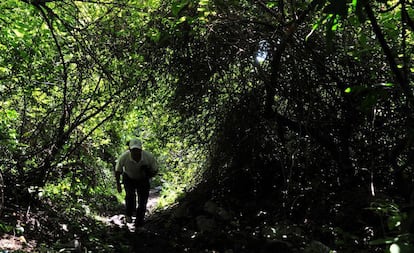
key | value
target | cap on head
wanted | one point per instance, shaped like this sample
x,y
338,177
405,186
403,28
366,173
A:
x,y
135,143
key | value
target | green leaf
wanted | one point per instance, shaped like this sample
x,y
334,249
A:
x,y
400,248
18,33
178,7
381,241
155,35
271,4
356,89
394,221
354,3
182,20
5,228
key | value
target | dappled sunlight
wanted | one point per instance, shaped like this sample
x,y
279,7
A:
x,y
82,220
259,126
16,243
119,219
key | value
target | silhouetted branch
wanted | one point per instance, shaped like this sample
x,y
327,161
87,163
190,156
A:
x,y
389,55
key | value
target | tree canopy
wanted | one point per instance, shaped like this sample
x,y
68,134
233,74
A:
x,y
290,121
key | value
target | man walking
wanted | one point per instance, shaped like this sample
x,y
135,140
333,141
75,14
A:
x,y
137,167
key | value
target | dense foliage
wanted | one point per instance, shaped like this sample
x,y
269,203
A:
x,y
295,119
318,126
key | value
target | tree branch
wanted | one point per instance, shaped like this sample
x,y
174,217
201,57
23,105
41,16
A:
x,y
275,65
407,18
268,10
388,54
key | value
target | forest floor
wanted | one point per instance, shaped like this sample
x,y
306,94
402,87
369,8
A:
x,y
18,231
183,227
205,227
195,224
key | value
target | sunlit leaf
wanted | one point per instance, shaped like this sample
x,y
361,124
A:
x,y
155,35
387,240
181,20
354,3
18,33
177,7
271,4
204,2
388,84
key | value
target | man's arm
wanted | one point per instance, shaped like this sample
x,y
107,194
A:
x,y
118,172
118,181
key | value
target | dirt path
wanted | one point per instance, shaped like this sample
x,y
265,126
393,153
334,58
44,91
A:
x,y
114,226
143,239
119,219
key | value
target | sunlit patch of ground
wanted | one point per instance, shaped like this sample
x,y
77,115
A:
x,y
14,243
153,199
119,219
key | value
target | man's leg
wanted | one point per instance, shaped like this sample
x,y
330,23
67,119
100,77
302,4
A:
x,y
130,197
143,194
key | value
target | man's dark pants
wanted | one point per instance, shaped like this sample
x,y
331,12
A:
x,y
132,188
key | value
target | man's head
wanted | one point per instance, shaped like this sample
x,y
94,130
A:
x,y
135,143
135,147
